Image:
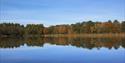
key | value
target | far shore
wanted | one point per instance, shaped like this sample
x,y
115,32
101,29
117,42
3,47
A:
x,y
99,35
87,35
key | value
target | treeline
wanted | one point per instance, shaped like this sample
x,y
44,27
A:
x,y
11,29
15,29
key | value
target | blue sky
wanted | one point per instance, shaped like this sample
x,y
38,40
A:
x,y
51,12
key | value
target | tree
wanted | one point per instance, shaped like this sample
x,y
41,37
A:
x,y
11,29
15,29
116,27
123,26
34,29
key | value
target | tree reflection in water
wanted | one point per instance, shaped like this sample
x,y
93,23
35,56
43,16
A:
x,y
82,42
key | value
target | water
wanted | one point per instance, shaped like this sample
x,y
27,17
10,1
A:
x,y
62,50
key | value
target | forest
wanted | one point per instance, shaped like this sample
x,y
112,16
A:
x,y
85,27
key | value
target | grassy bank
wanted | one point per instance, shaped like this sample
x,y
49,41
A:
x,y
104,35
87,35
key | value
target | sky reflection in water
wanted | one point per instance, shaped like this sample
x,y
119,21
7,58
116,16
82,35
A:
x,y
54,52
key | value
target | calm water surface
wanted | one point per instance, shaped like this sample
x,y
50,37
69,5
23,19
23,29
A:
x,y
62,50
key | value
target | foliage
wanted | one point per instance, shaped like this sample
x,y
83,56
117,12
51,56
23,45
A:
x,y
15,29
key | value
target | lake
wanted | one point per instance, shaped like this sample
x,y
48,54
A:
x,y
62,50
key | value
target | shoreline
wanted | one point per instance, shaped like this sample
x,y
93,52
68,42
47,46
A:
x,y
87,35
92,35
